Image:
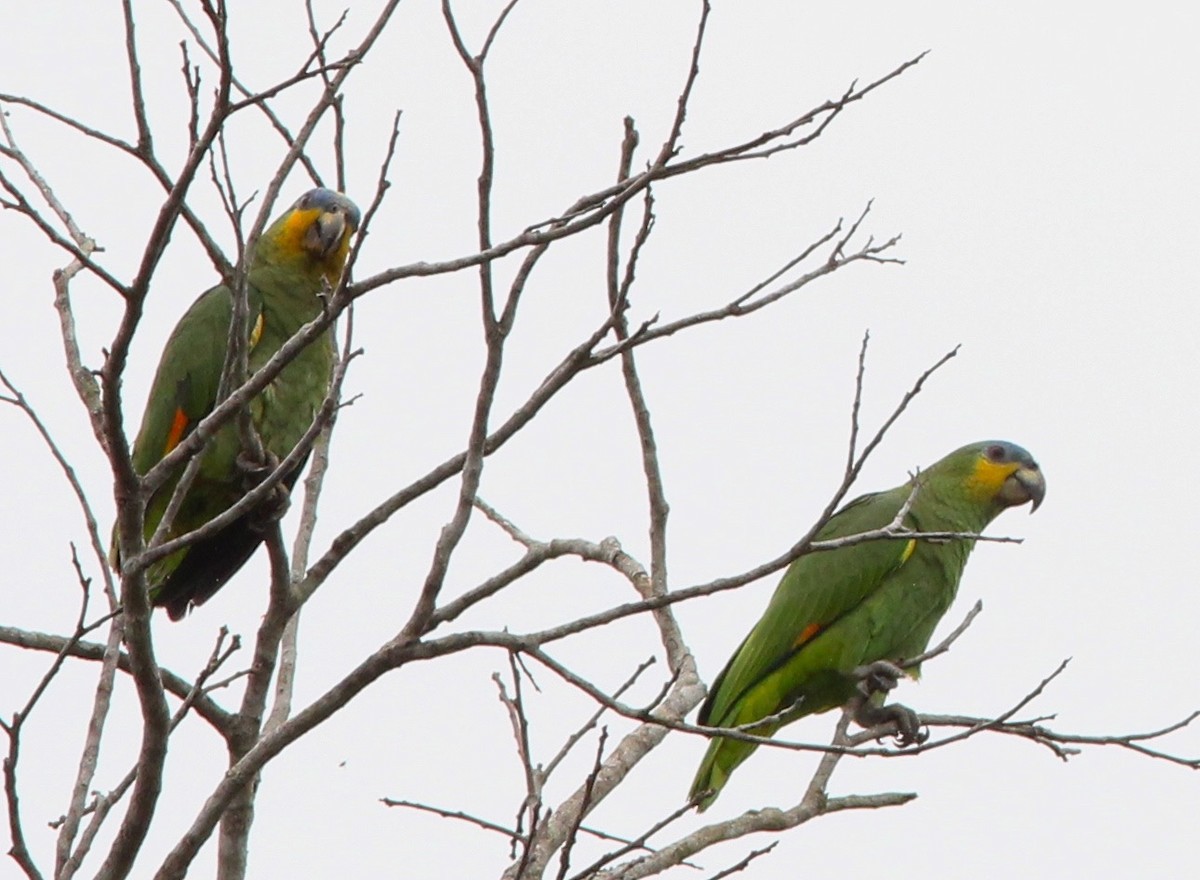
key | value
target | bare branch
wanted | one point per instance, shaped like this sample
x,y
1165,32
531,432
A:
x,y
223,649
247,92
174,684
590,724
745,862
499,519
944,645
76,243
584,356
494,335
593,209
145,141
509,833
589,785
1065,744
618,297
638,843
670,146
89,518
90,755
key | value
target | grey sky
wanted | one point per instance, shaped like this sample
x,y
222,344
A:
x,y
1041,165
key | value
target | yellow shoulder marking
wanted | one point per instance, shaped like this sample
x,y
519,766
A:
x,y
256,331
909,549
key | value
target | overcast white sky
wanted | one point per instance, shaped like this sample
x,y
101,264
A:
x,y
1041,165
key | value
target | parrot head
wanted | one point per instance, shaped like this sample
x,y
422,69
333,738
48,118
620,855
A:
x,y
999,473
317,229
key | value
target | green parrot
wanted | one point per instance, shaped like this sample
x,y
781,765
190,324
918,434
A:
x,y
295,261
838,611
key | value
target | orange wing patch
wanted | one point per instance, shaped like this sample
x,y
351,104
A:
x,y
179,425
807,634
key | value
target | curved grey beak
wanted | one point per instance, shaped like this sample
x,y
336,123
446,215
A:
x,y
1030,485
1024,484
326,233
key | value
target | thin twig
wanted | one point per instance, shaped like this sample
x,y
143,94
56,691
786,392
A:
x,y
590,724
589,785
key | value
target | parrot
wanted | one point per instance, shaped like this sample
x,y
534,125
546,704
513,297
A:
x,y
296,261
838,613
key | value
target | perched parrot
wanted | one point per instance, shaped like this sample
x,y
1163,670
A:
x,y
298,256
839,610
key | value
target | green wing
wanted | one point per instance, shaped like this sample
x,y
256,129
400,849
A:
x,y
808,640
817,590
182,394
185,384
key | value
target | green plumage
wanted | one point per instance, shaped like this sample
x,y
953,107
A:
x,y
294,261
839,609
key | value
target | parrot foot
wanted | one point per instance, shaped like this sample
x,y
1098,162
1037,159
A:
x,y
879,678
272,508
254,469
908,724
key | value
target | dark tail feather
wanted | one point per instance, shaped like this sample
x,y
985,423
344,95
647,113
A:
x,y
208,565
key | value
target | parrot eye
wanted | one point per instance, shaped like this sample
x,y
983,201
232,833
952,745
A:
x,y
995,453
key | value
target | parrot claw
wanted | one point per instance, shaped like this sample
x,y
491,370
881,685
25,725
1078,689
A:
x,y
909,731
254,469
271,510
878,677
277,502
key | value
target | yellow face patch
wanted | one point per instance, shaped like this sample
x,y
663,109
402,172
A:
x,y
295,227
988,476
